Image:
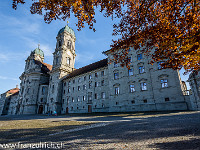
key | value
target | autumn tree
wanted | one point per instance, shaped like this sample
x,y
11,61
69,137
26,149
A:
x,y
169,30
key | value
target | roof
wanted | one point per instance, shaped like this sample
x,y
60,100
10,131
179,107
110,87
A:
x,y
13,91
45,67
88,68
68,29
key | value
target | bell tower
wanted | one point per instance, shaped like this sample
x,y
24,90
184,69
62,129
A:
x,y
64,55
63,64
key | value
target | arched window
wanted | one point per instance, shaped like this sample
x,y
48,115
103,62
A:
x,y
59,43
69,43
68,60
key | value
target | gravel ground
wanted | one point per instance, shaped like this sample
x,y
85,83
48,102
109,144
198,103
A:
x,y
173,131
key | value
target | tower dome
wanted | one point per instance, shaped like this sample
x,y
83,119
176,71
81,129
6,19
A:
x,y
38,51
68,29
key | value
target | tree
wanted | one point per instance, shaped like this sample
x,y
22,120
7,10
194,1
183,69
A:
x,y
169,30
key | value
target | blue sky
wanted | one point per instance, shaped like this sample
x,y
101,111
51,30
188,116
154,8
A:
x,y
20,33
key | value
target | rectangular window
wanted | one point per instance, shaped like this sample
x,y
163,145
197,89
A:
x,y
73,89
145,100
95,96
84,98
68,89
102,73
84,87
64,92
139,56
96,74
64,83
79,79
130,72
116,76
131,88
115,65
102,83
116,90
143,86
166,99
90,96
53,89
72,99
78,99
130,59
90,76
84,78
103,95
73,81
96,84
164,83
141,69
79,88
90,85
159,65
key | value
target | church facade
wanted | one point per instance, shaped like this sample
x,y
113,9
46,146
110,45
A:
x,y
102,86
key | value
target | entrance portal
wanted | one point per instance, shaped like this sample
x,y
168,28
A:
x,y
40,110
89,108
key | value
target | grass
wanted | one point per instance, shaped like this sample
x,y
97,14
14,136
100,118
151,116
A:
x,y
17,129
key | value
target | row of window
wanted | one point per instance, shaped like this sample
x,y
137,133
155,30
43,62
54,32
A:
x,y
84,78
143,86
103,96
96,84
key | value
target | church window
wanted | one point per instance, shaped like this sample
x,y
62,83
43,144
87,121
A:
x,y
64,83
72,99
59,43
79,79
102,73
84,78
143,86
116,76
90,76
64,91
43,90
41,100
68,60
141,69
103,95
56,60
73,89
166,99
116,90
68,89
69,44
131,88
53,89
130,72
73,81
63,101
79,88
164,83
103,105
139,56
116,103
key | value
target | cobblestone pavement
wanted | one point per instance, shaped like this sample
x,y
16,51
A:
x,y
173,131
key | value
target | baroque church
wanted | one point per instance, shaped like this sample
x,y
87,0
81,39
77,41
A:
x,y
97,87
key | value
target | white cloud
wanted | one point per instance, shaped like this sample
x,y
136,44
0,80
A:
x,y
8,78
